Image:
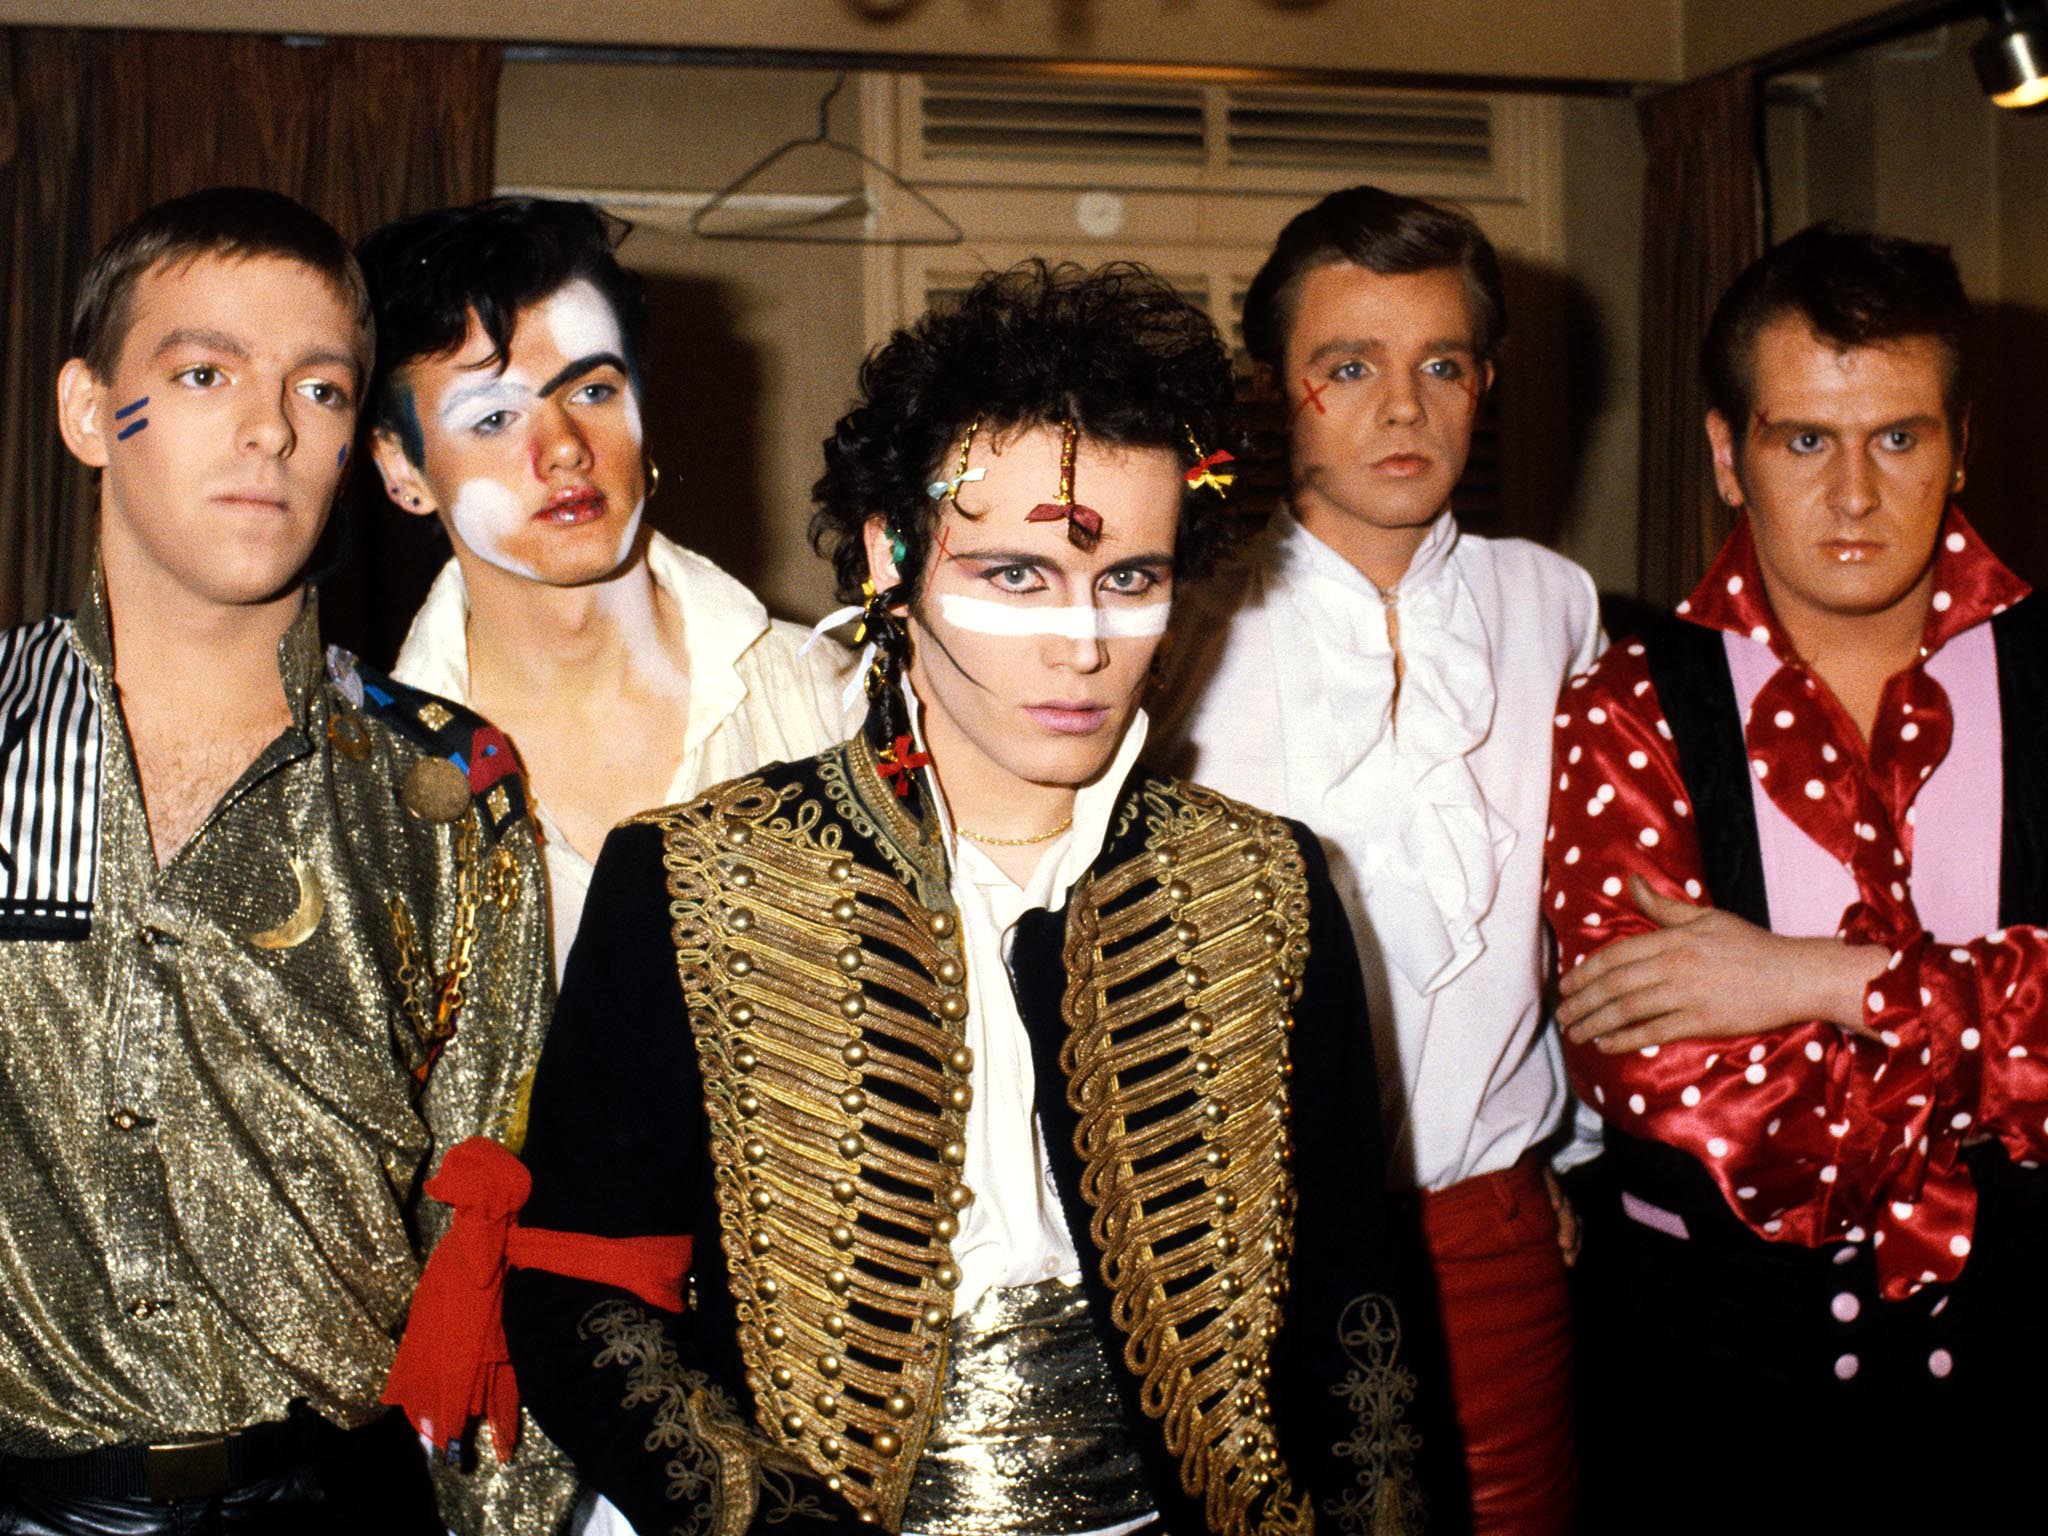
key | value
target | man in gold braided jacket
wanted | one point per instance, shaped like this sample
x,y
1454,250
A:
x,y
1019,1103
272,932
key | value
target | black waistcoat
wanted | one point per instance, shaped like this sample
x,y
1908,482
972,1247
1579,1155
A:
x,y
1689,668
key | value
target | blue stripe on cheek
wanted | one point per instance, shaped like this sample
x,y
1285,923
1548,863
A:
x,y
131,429
131,407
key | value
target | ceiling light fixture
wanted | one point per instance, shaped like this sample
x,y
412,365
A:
x,y
2012,60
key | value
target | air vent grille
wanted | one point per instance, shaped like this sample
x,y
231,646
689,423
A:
x,y
1378,131
973,119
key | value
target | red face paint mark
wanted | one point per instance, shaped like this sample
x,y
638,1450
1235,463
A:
x,y
1311,394
944,535
1470,384
1760,422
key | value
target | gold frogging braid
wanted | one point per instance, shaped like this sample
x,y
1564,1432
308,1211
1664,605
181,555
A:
x,y
826,1005
1181,1091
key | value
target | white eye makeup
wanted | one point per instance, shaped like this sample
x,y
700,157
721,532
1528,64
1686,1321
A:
x,y
1081,621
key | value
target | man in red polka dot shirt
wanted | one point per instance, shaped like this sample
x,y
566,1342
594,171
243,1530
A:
x,y
1796,853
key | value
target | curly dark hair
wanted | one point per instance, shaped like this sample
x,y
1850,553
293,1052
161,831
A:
x,y
1116,351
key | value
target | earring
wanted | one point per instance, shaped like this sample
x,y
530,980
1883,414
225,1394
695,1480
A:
x,y
653,477
1955,481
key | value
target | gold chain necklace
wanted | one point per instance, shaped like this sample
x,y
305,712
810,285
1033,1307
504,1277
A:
x,y
1015,842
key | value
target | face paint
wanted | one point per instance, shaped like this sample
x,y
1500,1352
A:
x,y
135,426
341,456
488,516
1312,394
1082,621
580,320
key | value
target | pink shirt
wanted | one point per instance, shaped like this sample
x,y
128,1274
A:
x,y
1954,828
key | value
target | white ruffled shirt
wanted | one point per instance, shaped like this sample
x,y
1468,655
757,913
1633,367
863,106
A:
x,y
1015,1231
754,697
1433,821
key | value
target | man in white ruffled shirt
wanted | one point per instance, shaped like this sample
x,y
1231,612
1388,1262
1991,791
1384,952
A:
x,y
1389,680
627,671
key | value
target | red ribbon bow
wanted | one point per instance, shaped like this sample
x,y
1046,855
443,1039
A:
x,y
453,1364
1084,523
1204,472
896,763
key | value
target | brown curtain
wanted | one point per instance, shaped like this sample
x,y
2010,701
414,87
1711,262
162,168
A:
x,y
1700,229
96,126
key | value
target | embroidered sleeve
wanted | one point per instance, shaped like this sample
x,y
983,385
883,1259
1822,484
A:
x,y
1812,1134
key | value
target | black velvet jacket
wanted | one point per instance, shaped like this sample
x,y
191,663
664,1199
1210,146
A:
x,y
759,1043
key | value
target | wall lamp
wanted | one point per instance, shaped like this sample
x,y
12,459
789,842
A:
x,y
2012,60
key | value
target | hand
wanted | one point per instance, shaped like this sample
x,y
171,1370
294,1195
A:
x,y
1706,974
1569,1234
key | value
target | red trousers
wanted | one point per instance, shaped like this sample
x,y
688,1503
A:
x,y
1506,1318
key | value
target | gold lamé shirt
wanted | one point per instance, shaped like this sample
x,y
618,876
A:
x,y
210,1150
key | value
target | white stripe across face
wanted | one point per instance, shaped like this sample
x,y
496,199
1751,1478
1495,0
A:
x,y
1082,621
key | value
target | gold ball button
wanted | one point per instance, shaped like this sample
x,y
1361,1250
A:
x,y
840,869
886,1444
741,963
842,1235
951,971
953,1006
755,1152
835,1324
853,1101
782,1376
853,1053
792,1423
829,1366
849,959
942,925
850,1145
960,1059
960,1096
742,921
897,1405
838,1281
776,1334
845,909
953,1153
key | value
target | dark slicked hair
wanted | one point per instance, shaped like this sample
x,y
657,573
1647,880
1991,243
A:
x,y
230,223
1855,290
1116,351
1383,232
428,273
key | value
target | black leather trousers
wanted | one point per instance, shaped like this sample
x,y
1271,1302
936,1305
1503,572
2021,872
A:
x,y
373,1482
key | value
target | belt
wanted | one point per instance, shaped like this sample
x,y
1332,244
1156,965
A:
x,y
190,1467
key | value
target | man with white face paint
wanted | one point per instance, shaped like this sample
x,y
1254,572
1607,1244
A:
x,y
626,670
1013,1095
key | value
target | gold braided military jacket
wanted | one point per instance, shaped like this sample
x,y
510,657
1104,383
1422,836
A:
x,y
221,1082
760,1044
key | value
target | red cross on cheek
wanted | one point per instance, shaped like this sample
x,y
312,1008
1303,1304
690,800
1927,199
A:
x,y
1311,394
